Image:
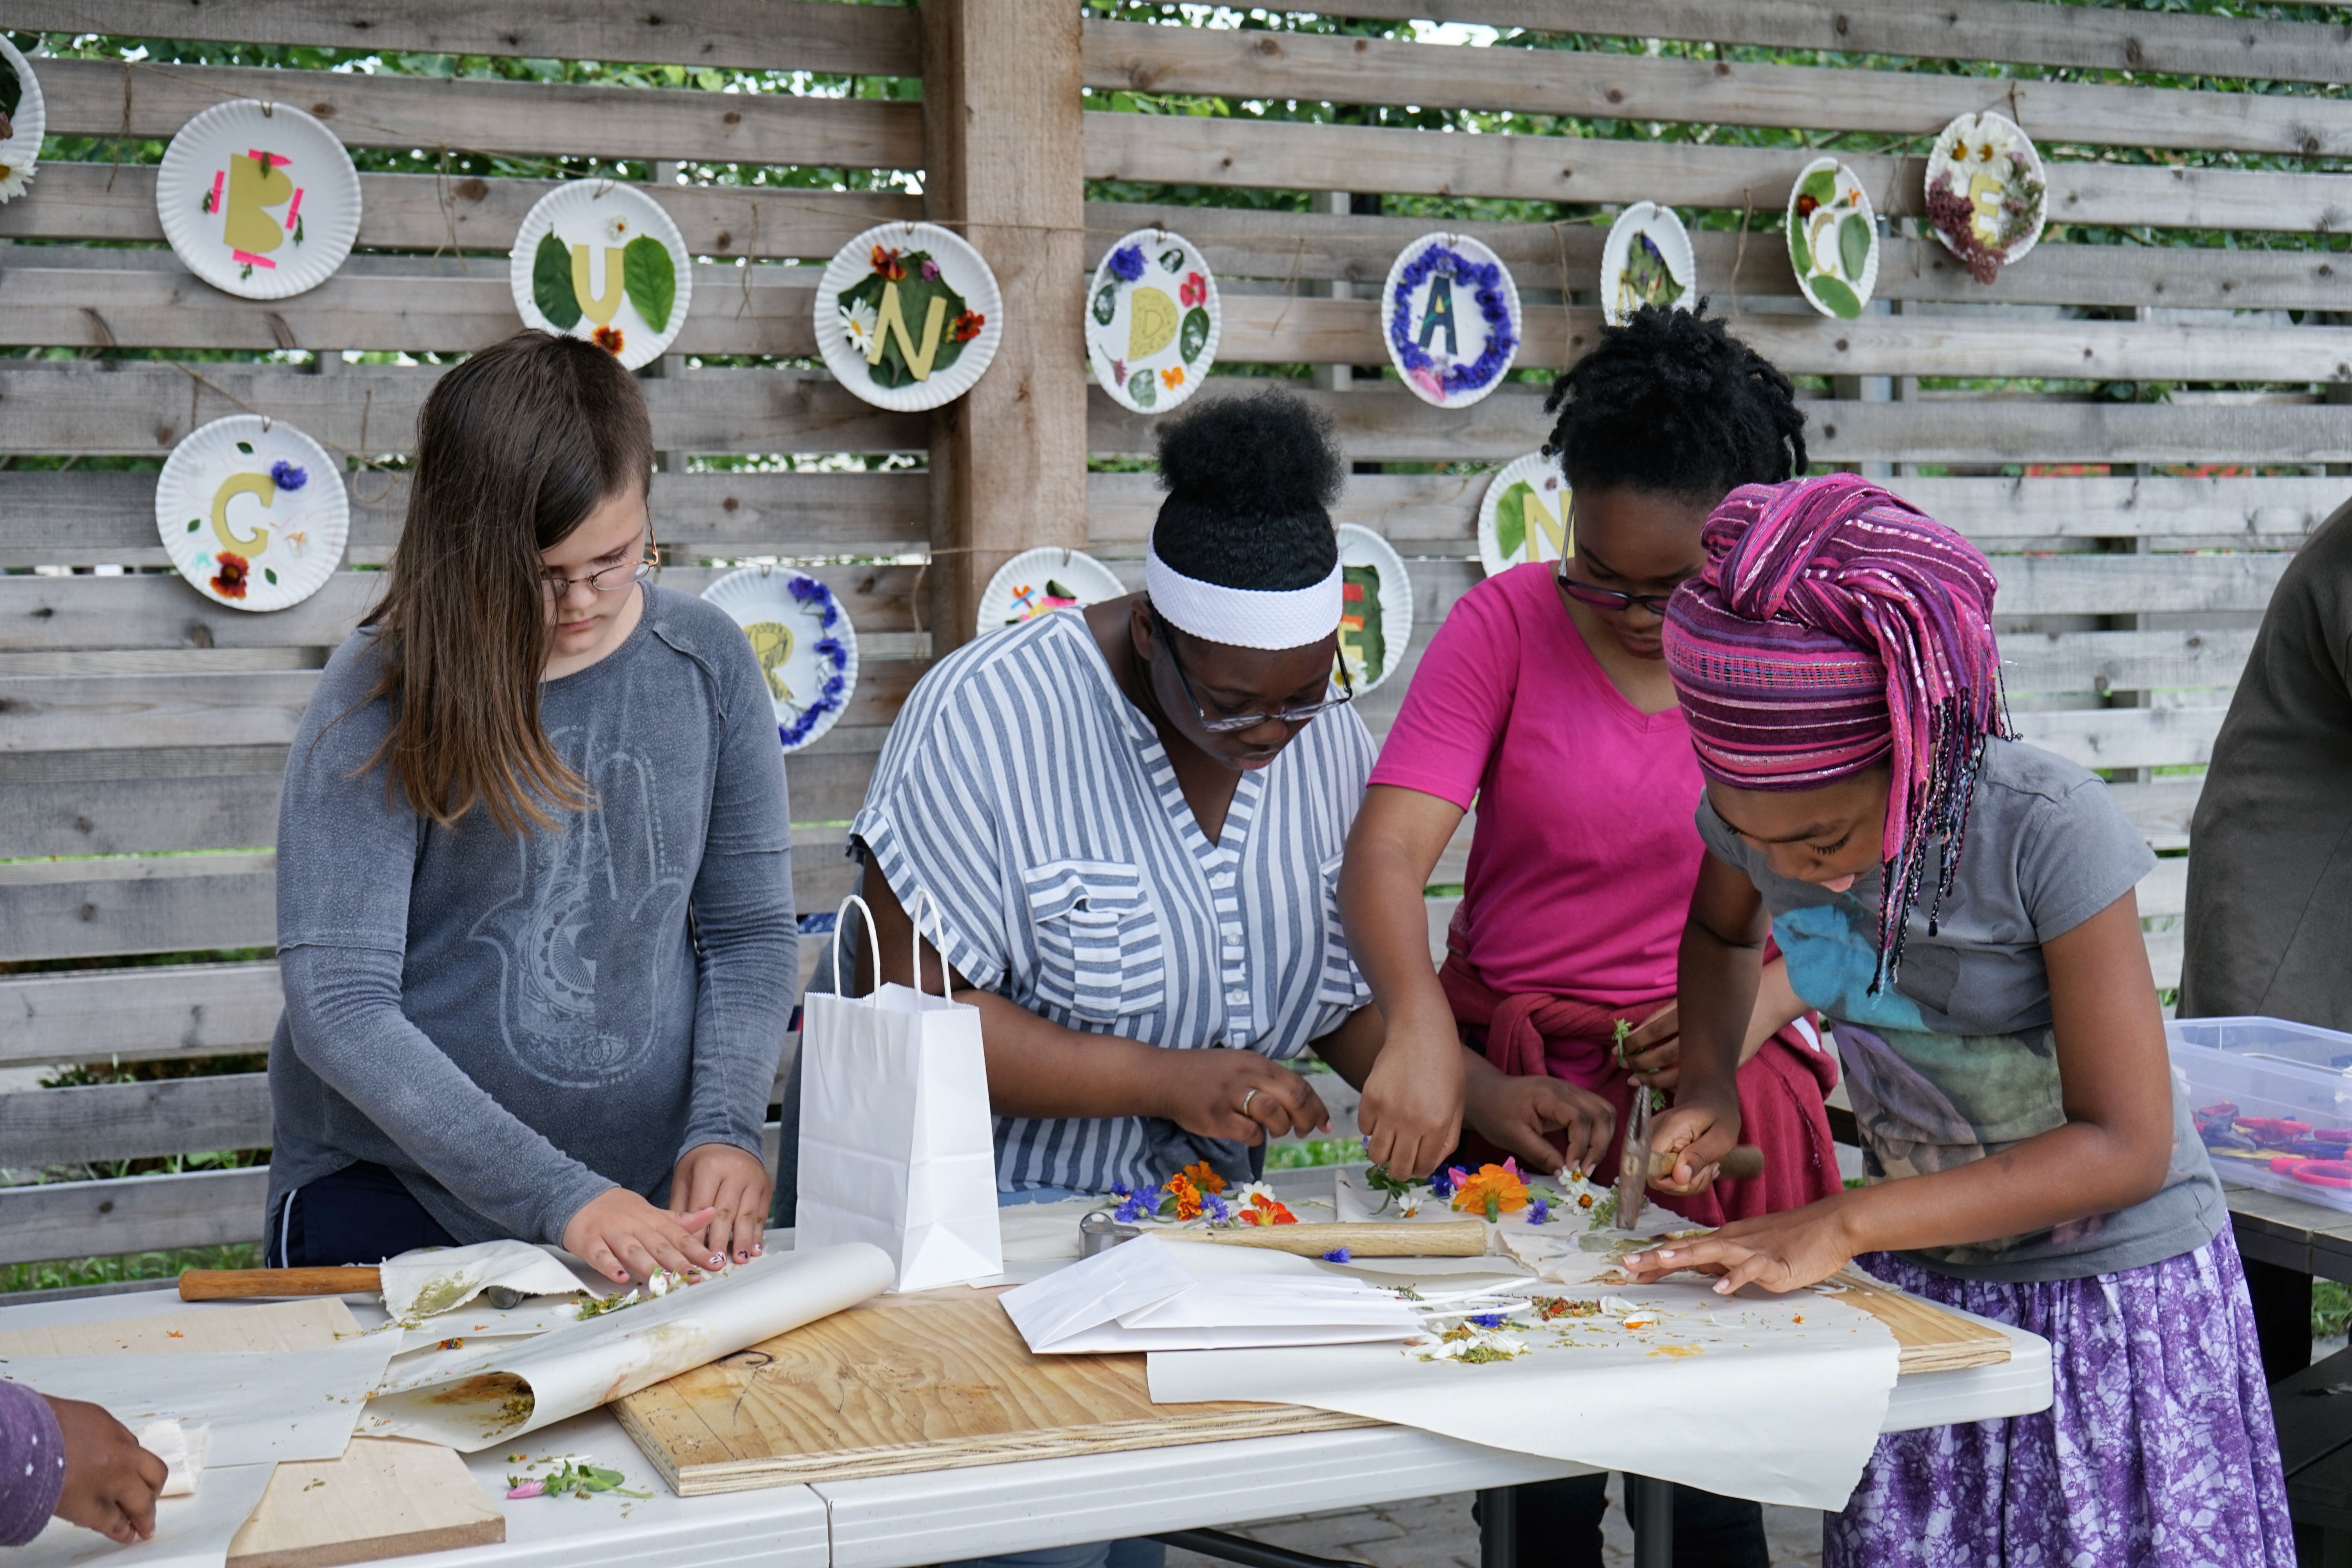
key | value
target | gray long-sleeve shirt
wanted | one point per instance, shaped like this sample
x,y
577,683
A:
x,y
512,1025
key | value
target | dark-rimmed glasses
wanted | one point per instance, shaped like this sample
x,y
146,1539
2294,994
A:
x,y
1250,721
1610,598
553,585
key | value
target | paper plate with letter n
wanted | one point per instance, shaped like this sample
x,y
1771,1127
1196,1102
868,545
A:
x,y
1375,607
252,511
1987,195
1524,515
1646,260
908,316
802,639
1151,320
1832,239
1046,578
1452,318
23,121
258,199
601,261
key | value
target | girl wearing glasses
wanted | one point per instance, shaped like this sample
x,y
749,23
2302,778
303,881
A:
x,y
1133,816
534,892
1545,697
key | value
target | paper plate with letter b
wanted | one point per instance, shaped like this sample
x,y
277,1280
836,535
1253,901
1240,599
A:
x,y
258,199
601,261
1524,515
908,316
252,512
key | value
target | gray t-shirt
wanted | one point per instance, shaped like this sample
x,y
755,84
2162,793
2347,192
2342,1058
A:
x,y
1956,1060
514,1024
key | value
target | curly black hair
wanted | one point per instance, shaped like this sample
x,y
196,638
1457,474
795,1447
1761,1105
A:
x,y
1250,483
1671,401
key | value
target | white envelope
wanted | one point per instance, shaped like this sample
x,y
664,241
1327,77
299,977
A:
x,y
1146,1295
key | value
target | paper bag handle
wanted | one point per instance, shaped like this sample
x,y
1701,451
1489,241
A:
x,y
938,940
842,983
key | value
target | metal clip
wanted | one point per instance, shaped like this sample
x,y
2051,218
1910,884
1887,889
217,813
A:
x,y
1098,1232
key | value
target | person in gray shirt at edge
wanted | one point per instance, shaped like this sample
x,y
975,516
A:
x,y
534,885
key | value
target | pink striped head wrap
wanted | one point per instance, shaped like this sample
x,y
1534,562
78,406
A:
x,y
1836,627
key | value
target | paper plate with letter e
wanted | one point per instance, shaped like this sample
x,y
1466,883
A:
x,y
1151,320
1451,315
24,120
908,316
1646,261
1832,239
1375,606
1524,515
601,261
1987,195
258,199
252,511
802,636
1046,578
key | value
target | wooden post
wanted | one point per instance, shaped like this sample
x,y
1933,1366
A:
x,y
1001,130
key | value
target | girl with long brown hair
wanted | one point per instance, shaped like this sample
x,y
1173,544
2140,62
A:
x,y
534,892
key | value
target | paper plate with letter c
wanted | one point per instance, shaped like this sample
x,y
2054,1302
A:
x,y
806,648
908,316
1524,515
601,261
252,512
1832,239
1375,606
259,199
1151,320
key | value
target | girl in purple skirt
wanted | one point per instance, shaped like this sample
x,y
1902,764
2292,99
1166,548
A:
x,y
1960,906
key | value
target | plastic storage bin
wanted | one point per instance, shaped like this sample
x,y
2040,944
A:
x,y
2272,1102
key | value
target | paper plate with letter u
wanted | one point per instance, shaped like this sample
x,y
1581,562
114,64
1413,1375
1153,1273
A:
x,y
252,512
601,261
908,316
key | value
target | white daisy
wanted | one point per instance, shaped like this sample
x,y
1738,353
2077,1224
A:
x,y
617,230
858,320
14,173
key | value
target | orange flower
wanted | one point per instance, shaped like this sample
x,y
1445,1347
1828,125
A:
x,y
1263,1210
229,581
886,262
1205,1179
1496,1190
1187,1196
608,339
968,325
1172,377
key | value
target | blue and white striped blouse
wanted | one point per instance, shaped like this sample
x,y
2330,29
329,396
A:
x,y
1034,804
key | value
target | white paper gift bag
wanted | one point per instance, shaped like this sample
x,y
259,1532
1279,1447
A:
x,y
897,1144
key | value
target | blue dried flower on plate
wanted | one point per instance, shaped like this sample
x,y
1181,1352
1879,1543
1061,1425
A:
x,y
1127,263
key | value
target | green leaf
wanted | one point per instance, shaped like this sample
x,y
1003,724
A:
x,y
270,573
195,523
1511,519
1194,336
550,283
651,279
1835,294
1800,254
1820,185
1853,247
245,446
1144,388
1106,303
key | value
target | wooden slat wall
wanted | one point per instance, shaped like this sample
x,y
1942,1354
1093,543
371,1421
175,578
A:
x,y
115,737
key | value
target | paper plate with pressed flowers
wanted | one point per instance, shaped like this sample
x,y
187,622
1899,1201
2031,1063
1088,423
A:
x,y
908,316
1524,515
1375,607
259,199
1832,239
1450,316
24,120
252,512
1046,578
601,260
1151,320
1987,195
802,636
1647,260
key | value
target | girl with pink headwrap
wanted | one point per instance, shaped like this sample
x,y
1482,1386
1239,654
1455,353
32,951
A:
x,y
1959,906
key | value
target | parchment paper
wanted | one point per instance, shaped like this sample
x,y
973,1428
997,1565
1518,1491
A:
x,y
190,1532
261,1408
420,1286
516,1386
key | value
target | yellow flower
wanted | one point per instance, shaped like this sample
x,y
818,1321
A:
x,y
1495,1191
1203,1177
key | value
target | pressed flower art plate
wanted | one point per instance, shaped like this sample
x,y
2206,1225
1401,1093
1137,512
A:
x,y
252,512
1525,516
259,199
802,636
1832,239
601,260
909,316
1987,195
1647,260
1375,606
1151,320
1450,316
1046,578
24,120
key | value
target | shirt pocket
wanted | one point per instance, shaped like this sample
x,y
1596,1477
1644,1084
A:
x,y
1101,947
1335,986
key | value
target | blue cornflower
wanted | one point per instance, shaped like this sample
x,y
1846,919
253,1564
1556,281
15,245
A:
x,y
1134,1209
1441,1182
1216,1208
1127,263
1488,1320
1539,1213
1337,1255
288,475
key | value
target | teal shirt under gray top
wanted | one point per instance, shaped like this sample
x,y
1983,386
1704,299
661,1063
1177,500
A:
x,y
513,1024
1955,1059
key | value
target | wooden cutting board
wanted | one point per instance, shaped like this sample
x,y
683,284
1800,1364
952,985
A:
x,y
1929,1338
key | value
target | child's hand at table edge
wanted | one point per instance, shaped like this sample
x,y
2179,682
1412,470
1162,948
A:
x,y
1778,1252
624,1238
110,1481
722,1177
1696,1131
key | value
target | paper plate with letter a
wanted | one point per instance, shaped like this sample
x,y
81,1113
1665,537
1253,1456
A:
x,y
23,121
1524,515
601,261
1832,239
802,636
908,316
1375,606
1450,317
252,512
1151,320
258,199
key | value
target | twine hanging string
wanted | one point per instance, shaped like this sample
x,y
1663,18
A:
x,y
199,383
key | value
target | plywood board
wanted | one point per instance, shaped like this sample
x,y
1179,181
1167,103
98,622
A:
x,y
1931,1339
385,1498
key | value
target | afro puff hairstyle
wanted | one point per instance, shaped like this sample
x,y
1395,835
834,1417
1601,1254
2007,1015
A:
x,y
1249,482
1671,402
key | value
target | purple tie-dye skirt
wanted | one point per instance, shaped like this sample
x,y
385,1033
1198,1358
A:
x,y
2158,1449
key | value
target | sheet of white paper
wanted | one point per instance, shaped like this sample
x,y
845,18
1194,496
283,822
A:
x,y
482,1321
421,1285
1805,1398
1089,1294
1147,1295
190,1532
291,1404
1582,1258
181,1446
516,1386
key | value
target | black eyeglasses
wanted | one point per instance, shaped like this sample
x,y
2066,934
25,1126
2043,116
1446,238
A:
x,y
611,579
1250,721
1610,598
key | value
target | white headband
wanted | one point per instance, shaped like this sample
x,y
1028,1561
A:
x,y
1244,617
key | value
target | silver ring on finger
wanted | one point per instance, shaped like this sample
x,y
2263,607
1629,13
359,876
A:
x,y
1245,1101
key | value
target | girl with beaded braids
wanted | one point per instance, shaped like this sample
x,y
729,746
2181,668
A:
x,y
1545,697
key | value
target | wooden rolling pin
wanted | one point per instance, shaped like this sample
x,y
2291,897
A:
x,y
248,1284
1362,1238
1742,1163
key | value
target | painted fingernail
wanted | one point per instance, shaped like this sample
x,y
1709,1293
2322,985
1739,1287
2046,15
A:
x,y
717,1261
